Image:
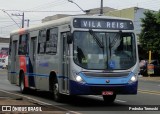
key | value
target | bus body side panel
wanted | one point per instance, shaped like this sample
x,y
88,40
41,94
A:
x,y
45,64
42,74
60,62
33,37
13,65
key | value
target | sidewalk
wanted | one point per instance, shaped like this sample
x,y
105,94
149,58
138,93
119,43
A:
x,y
150,78
16,103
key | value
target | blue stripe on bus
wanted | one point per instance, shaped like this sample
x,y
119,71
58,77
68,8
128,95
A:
x,y
62,77
12,72
31,74
40,75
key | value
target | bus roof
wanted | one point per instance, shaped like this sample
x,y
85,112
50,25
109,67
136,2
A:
x,y
62,21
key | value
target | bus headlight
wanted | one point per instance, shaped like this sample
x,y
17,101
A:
x,y
133,79
79,78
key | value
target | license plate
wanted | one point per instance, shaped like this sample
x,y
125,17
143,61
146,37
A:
x,y
107,93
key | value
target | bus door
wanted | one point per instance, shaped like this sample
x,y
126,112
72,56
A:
x,y
14,65
32,65
65,61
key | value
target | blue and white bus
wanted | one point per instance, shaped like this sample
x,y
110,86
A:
x,y
77,55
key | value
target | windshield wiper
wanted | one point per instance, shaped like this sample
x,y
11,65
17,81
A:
x,y
96,38
116,38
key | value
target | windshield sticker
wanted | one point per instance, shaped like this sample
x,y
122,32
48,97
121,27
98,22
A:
x,y
112,64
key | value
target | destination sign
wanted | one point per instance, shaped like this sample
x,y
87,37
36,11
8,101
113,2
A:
x,y
110,24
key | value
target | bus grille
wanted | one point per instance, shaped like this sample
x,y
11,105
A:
x,y
106,74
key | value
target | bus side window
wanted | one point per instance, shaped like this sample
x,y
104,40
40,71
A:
x,y
51,43
23,39
42,42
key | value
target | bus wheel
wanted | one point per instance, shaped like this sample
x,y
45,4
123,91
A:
x,y
23,89
57,96
109,98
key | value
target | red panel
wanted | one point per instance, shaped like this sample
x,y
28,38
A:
x,y
21,31
23,66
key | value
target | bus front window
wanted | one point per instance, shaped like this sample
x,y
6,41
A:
x,y
87,53
104,50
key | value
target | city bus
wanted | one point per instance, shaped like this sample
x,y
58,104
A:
x,y
76,55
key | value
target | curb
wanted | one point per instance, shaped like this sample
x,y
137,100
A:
x,y
14,99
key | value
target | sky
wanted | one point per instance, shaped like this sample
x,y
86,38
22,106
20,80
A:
x,y
36,10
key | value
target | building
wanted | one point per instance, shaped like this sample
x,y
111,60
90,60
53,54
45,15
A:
x,y
54,17
94,11
97,10
4,40
4,48
133,13
4,45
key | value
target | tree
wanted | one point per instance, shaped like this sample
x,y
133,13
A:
x,y
150,35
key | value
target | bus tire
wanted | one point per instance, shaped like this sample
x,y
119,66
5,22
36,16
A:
x,y
108,99
23,89
55,91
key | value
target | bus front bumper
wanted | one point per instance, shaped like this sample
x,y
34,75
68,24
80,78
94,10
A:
x,y
89,89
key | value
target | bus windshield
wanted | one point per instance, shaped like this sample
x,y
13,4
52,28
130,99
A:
x,y
104,50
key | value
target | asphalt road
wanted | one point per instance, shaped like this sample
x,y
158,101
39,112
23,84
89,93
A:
x,y
148,96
